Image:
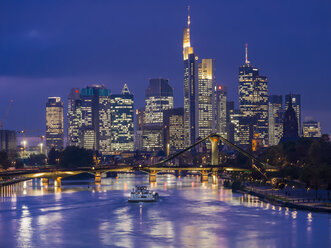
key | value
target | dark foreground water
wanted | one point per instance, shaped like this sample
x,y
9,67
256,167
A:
x,y
188,214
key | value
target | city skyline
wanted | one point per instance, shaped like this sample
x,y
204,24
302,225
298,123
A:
x,y
58,84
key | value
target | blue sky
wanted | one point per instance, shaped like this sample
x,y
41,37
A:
x,y
48,47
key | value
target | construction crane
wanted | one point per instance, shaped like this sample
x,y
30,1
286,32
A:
x,y
6,114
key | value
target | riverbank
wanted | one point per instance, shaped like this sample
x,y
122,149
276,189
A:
x,y
289,199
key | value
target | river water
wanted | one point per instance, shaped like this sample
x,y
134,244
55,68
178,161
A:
x,y
188,214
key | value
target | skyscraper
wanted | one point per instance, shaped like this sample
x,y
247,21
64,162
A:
x,y
74,117
138,138
206,96
122,128
190,88
96,115
230,128
275,116
54,123
8,143
159,96
173,129
311,129
296,104
220,114
253,100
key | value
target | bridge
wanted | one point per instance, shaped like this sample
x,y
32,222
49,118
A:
x,y
58,173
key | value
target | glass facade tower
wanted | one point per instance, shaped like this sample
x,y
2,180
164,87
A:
x,y
190,88
253,100
206,96
275,117
54,123
96,115
122,128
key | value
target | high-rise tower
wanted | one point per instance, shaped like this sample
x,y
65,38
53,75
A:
x,y
220,114
74,117
159,96
96,117
275,116
122,121
253,100
190,87
54,123
206,97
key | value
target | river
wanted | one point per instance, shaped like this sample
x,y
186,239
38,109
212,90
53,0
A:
x,y
188,214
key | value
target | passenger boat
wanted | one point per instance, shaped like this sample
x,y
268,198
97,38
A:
x,y
143,194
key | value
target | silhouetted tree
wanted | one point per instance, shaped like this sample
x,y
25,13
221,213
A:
x,y
73,156
53,155
36,159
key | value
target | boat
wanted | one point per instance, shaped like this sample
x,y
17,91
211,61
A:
x,y
143,194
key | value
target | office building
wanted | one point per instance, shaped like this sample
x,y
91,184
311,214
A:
x,y
152,137
253,100
96,115
275,117
173,127
8,143
159,96
220,114
138,137
311,129
74,117
122,128
296,104
206,96
54,123
230,127
190,88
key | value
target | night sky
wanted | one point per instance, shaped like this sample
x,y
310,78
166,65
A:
x,y
48,47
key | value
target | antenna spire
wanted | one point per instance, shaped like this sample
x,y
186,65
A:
x,y
188,16
246,54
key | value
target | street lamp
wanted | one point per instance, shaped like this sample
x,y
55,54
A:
x,y
41,148
24,147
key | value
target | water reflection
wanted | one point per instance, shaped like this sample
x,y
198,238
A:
x,y
189,214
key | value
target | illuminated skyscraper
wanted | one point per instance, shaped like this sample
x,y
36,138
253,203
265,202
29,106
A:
x,y
253,100
173,129
138,138
190,88
311,129
275,116
54,123
206,96
296,104
122,128
96,115
220,114
74,117
159,96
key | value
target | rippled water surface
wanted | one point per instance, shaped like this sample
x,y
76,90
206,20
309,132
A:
x,y
188,214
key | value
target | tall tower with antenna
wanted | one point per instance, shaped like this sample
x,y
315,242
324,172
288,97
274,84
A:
x,y
190,86
253,104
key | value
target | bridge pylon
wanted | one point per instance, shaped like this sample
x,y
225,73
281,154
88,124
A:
x,y
45,181
204,176
152,176
97,177
57,182
214,140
